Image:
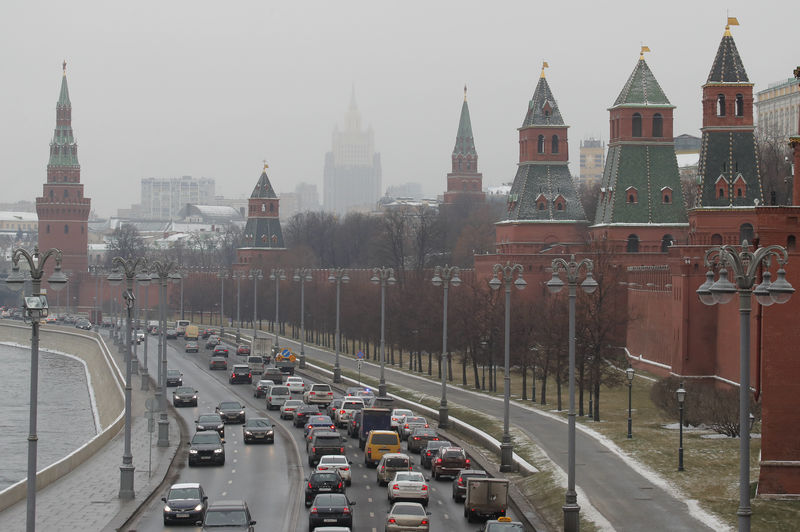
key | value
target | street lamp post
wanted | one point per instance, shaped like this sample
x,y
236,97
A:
x,y
338,276
95,271
383,276
181,281
255,276
629,374
507,272
35,308
445,277
238,276
165,272
681,394
745,265
277,275
589,285
146,281
222,275
302,276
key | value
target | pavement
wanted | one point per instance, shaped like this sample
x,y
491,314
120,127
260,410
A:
x,y
87,499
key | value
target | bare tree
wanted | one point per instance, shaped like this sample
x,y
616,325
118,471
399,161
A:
x,y
125,242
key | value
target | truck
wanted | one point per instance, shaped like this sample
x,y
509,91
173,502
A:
x,y
486,498
261,347
285,362
373,419
192,333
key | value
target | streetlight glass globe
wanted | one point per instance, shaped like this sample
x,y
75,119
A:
x,y
15,279
520,283
296,278
437,281
272,276
175,277
589,285
495,283
723,290
455,281
704,290
308,277
143,278
681,393
630,373
761,291
781,290
555,284
391,280
345,278
331,278
282,276
374,279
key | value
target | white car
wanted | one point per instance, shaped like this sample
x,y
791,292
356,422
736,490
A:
x,y
336,462
289,407
407,424
408,485
349,406
295,384
397,414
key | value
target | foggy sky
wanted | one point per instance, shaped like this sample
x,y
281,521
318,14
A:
x,y
171,88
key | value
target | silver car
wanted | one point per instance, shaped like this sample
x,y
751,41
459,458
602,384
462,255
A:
x,y
409,423
408,485
408,516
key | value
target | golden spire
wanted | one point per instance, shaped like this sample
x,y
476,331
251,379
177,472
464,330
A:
x,y
265,165
544,65
642,51
465,92
732,21
64,67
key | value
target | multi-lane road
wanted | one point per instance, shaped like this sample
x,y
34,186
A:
x,y
270,478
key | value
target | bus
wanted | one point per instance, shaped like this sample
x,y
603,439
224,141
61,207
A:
x,y
180,326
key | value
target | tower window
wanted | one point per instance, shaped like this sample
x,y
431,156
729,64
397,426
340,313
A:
x,y
469,165
720,105
66,229
658,125
633,244
271,207
540,144
47,230
555,144
66,193
791,242
632,195
666,242
739,105
666,195
636,127
716,239
51,194
746,233
263,207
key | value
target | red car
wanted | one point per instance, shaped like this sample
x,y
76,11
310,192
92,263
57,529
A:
x,y
243,349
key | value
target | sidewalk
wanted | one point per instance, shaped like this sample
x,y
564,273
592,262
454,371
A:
x,y
87,498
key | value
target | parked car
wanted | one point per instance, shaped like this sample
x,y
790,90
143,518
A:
x,y
192,347
338,463
184,503
302,414
408,485
184,395
239,374
429,451
258,429
217,363
409,423
228,515
231,411
288,408
331,509
174,377
390,464
420,438
210,422
260,387
327,481
221,351
407,516
243,349
449,461
277,395
206,448
460,482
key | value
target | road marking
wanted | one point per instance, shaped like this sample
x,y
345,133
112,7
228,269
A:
x,y
235,451
369,499
446,516
233,471
231,482
439,502
368,487
224,493
372,514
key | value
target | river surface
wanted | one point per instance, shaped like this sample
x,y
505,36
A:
x,y
65,420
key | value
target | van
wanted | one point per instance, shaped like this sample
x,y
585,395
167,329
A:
x,y
390,464
256,364
380,442
277,395
192,333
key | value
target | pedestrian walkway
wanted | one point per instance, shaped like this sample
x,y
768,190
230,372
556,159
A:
x,y
87,499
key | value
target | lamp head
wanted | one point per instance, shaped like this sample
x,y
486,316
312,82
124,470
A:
x,y
331,278
681,394
520,283
176,277
456,280
296,277
115,277
555,284
58,280
781,290
436,280
391,280
374,279
345,278
723,290
589,285
495,283
143,278
630,373
761,291
704,290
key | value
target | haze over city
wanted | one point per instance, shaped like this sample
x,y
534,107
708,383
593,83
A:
x,y
194,88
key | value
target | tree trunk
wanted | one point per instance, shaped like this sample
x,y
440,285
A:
x,y
597,400
450,367
464,367
524,382
581,373
558,390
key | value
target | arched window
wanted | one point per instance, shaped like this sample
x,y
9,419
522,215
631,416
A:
x,y
66,193
633,244
540,144
541,202
791,242
666,195
271,207
637,125
51,194
666,242
559,206
66,229
739,105
469,165
555,144
716,239
746,233
658,125
632,195
720,105
48,229
459,163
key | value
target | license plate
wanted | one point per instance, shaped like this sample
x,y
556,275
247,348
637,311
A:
x,y
329,520
179,516
325,489
260,435
205,458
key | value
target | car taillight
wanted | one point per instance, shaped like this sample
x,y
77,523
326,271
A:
x,y
467,462
309,427
395,487
424,522
339,486
427,426
341,412
383,468
406,426
314,510
249,375
313,450
438,460
461,481
416,437
333,426
392,520
346,510
341,451
312,393
310,486
345,469
424,487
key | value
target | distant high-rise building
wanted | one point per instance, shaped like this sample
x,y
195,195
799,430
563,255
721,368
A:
x,y
593,161
777,109
304,198
164,197
352,175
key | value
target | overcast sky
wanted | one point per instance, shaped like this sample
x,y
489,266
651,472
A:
x,y
170,88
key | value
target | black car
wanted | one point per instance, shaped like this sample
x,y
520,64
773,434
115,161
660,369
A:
x,y
220,351
330,509
419,438
231,411
228,515
210,422
258,429
206,448
174,377
184,503
427,454
84,324
323,482
240,373
460,482
302,413
184,395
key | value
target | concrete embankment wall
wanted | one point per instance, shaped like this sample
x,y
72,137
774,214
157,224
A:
x,y
107,388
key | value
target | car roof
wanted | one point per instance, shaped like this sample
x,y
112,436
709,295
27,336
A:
x,y
395,455
183,485
243,366
231,503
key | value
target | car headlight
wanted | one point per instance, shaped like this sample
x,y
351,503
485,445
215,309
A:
x,y
198,508
269,433
247,432
192,451
241,412
217,451
194,397
167,508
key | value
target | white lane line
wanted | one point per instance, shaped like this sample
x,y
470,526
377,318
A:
x,y
368,487
446,516
235,460
439,502
231,482
369,499
233,471
372,514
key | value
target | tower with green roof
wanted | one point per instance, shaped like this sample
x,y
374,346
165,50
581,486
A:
x,y
464,182
641,206
263,229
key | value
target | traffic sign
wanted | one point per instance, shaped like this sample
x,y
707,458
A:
x,y
286,352
360,355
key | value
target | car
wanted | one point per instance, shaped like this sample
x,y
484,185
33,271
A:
x,y
408,485
243,349
228,515
502,524
171,334
330,509
240,373
323,442
220,351
460,482
184,395
407,424
429,451
380,442
338,463
317,430
191,347
296,384
327,481
318,421
217,363
302,414
174,377
140,337
420,438
274,374
184,503
206,448
258,429
260,387
210,422
449,461
213,341
277,395
351,391
346,410
288,408
256,364
389,465
333,407
231,411
407,516
84,324
318,394
397,415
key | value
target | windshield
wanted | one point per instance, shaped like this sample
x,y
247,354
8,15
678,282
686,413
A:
x,y
226,518
325,477
184,389
173,372
408,509
205,437
258,422
183,493
413,477
279,390
209,418
385,439
454,455
230,405
400,413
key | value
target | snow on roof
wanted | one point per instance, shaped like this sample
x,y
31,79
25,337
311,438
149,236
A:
x,y
19,216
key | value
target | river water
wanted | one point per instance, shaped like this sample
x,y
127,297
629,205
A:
x,y
65,420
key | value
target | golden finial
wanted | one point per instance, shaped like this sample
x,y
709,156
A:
x,y
642,51
465,92
544,65
64,67
265,165
732,21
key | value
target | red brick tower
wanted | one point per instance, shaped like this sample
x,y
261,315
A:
x,y
262,237
464,182
63,210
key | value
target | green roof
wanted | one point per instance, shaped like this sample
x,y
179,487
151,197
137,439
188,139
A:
x,y
465,143
542,108
642,89
63,97
546,181
724,156
264,188
727,67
